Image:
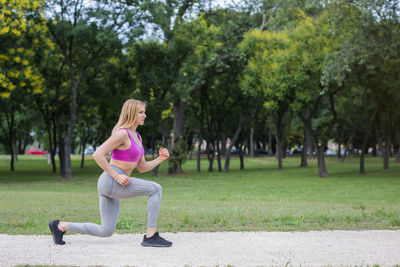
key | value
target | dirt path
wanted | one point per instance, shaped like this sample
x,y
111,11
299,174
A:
x,y
333,248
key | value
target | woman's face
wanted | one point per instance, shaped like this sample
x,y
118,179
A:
x,y
141,116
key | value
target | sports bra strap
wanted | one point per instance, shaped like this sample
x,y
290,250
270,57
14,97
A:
x,y
129,133
125,130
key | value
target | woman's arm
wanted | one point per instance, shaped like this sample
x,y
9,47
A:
x,y
144,166
114,141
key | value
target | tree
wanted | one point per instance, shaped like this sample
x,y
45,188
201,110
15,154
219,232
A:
x,y
22,42
264,78
191,47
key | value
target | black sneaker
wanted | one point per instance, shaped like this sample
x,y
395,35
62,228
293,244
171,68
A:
x,y
155,241
57,233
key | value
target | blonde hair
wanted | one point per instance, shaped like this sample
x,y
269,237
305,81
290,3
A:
x,y
128,115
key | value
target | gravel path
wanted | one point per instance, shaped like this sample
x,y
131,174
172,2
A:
x,y
332,248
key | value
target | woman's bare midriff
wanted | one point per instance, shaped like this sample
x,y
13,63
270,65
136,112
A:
x,y
126,167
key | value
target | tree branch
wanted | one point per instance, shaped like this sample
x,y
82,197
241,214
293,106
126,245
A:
x,y
264,21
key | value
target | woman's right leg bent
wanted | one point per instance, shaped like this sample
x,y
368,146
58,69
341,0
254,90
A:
x,y
109,209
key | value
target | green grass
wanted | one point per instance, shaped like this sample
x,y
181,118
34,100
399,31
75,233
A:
x,y
259,198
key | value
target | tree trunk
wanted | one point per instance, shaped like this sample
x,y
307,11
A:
x,y
61,150
210,155
386,154
201,133
191,152
241,157
251,142
83,151
70,128
178,144
67,158
306,144
310,142
52,140
384,146
278,132
278,151
54,146
270,152
339,152
12,150
398,155
362,164
199,155
323,173
362,156
227,160
73,118
223,144
321,148
24,147
219,157
11,124
304,162
14,146
189,143
233,141
178,109
19,147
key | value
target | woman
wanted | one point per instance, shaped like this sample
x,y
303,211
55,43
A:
x,y
114,183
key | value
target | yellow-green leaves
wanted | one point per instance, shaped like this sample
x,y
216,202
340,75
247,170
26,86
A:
x,y
286,66
168,112
266,51
22,30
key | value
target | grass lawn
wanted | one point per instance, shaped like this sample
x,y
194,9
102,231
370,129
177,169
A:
x,y
259,198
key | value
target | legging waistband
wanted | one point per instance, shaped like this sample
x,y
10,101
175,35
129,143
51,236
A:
x,y
118,169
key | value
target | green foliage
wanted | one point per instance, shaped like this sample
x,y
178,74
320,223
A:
x,y
261,76
366,61
195,44
22,40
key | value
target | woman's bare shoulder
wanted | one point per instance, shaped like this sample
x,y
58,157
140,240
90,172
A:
x,y
119,134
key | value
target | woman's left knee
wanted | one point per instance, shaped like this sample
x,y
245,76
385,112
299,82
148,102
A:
x,y
157,188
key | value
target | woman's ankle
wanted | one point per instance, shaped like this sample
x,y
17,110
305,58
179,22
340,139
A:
x,y
151,231
62,226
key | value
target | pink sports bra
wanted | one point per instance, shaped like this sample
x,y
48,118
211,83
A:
x,y
131,154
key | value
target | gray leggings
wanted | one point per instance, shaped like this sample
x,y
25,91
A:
x,y
110,193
